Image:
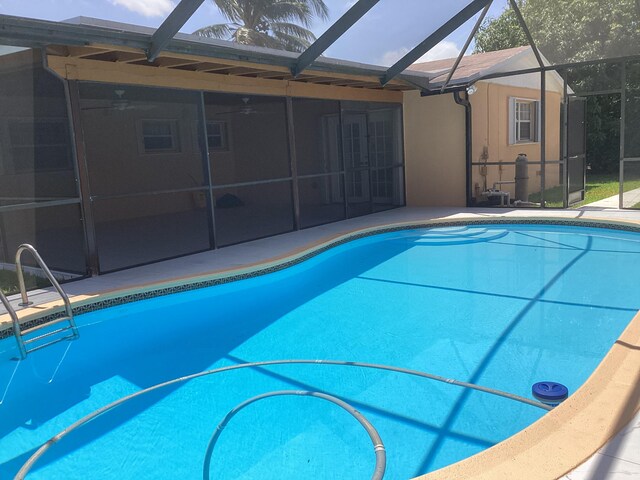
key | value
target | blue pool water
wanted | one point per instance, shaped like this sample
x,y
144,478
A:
x,y
503,306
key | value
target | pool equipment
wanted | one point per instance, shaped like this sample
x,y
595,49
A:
x,y
522,177
550,393
521,182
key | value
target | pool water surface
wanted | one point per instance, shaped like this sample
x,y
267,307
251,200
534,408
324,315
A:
x,y
503,306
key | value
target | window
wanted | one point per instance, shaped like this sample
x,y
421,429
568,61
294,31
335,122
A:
x,y
39,144
159,136
523,121
217,136
523,124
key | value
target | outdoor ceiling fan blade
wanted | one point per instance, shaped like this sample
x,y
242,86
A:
x,y
95,108
230,112
245,111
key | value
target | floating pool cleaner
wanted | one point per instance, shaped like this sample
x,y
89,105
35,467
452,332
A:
x,y
550,393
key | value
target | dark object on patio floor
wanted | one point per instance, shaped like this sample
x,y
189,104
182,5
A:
x,y
228,201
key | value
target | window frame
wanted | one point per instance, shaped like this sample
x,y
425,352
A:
x,y
520,121
515,122
174,135
224,136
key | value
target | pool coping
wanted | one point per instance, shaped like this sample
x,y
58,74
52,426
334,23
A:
x,y
573,431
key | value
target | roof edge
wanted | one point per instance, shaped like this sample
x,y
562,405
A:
x,y
85,31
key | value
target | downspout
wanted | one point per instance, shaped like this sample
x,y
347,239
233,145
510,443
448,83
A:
x,y
467,121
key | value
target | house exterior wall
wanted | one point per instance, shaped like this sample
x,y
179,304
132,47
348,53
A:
x,y
490,119
434,136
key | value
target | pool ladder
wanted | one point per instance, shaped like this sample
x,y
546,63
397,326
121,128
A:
x,y
26,342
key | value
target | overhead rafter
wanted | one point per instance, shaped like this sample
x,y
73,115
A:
x,y
35,33
466,46
218,70
172,24
527,33
432,40
335,31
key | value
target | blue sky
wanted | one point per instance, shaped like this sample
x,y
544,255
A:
x,y
386,33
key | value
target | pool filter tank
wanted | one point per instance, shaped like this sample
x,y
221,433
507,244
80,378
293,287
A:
x,y
522,177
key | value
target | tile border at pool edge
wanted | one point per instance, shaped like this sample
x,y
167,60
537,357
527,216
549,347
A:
x,y
573,432
36,315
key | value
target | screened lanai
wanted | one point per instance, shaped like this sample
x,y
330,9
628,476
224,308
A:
x,y
125,144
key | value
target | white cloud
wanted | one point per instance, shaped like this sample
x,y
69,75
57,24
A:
x,y
148,8
444,49
392,56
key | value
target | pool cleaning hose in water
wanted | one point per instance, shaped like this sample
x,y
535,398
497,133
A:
x,y
378,446
56,438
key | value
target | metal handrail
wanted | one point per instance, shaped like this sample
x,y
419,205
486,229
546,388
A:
x,y
25,302
47,272
15,322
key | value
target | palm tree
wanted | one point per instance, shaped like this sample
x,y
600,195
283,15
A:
x,y
281,24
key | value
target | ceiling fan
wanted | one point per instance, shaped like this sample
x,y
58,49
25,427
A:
x,y
120,104
244,109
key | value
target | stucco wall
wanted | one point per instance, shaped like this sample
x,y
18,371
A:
x,y
434,130
490,114
434,134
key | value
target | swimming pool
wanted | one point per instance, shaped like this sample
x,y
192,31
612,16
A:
x,y
498,305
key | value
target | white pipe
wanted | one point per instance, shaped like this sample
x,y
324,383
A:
x,y
86,419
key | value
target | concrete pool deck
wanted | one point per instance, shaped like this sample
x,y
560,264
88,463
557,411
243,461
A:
x,y
572,433
630,198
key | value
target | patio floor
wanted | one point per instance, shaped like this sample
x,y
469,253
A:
x,y
243,254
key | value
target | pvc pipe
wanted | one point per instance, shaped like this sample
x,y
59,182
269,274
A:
x,y
378,446
86,419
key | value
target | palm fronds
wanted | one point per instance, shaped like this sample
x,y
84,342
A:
x,y
280,24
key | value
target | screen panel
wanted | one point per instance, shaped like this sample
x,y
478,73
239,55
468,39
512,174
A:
x,y
387,185
140,139
632,110
321,200
568,32
254,131
317,135
142,229
36,154
631,185
249,212
55,231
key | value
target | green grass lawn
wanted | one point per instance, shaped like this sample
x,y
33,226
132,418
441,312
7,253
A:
x,y
605,185
599,186
9,282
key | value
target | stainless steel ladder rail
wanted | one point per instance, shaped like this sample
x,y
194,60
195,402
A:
x,y
15,323
68,317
